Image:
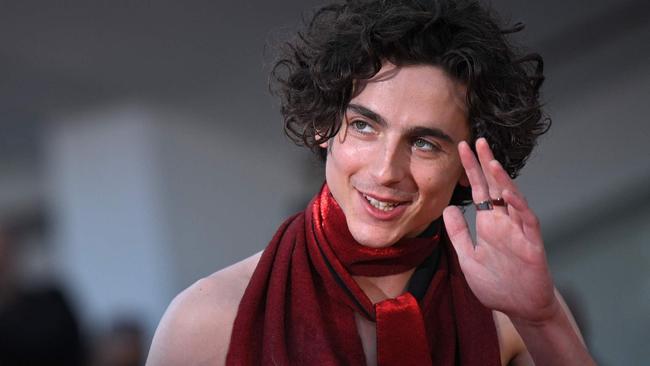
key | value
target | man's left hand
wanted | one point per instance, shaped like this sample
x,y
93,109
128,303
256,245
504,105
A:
x,y
506,268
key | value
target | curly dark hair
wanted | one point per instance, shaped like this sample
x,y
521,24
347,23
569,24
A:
x,y
345,42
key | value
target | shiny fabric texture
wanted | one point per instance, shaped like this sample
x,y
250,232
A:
x,y
400,327
299,306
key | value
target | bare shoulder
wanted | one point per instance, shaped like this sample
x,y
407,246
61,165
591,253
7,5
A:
x,y
197,324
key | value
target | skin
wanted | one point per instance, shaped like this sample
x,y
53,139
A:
x,y
387,149
403,141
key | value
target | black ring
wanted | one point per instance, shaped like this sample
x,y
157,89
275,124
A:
x,y
484,206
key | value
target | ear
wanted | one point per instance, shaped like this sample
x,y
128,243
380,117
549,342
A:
x,y
325,144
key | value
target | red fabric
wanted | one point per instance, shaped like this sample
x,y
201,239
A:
x,y
299,306
333,235
400,327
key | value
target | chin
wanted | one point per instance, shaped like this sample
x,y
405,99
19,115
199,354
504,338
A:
x,y
372,238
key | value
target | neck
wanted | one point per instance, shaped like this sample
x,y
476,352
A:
x,y
384,287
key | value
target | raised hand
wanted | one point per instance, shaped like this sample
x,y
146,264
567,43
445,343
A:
x,y
506,268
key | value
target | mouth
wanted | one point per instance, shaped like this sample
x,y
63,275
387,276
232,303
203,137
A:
x,y
385,206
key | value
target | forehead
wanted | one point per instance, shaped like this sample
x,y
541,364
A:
x,y
415,95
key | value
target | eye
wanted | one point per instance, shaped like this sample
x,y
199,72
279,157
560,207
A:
x,y
424,145
362,126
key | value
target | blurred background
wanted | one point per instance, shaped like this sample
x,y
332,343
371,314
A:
x,y
140,151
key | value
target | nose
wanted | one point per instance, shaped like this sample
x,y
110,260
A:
x,y
389,166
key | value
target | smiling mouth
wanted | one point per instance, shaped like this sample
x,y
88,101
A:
x,y
382,205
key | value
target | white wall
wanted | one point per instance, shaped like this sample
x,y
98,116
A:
x,y
110,239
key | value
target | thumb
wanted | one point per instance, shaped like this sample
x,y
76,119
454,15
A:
x,y
458,232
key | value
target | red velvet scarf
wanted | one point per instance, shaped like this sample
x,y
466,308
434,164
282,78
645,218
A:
x,y
299,306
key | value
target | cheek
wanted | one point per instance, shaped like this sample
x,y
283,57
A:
x,y
438,180
346,157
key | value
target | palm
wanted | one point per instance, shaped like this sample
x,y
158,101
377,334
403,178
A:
x,y
507,268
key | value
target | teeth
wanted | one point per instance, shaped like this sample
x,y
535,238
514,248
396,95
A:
x,y
384,206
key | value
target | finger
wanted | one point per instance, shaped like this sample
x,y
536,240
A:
x,y
474,173
514,215
458,232
502,177
486,158
529,221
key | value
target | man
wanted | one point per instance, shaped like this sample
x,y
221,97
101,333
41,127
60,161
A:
x,y
380,268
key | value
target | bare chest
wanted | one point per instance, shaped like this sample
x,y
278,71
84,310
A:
x,y
368,334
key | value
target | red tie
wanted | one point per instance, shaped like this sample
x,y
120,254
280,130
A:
x,y
401,336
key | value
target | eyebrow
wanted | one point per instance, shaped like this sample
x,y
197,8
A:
x,y
411,131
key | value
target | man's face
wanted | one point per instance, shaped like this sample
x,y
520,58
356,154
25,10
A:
x,y
394,164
